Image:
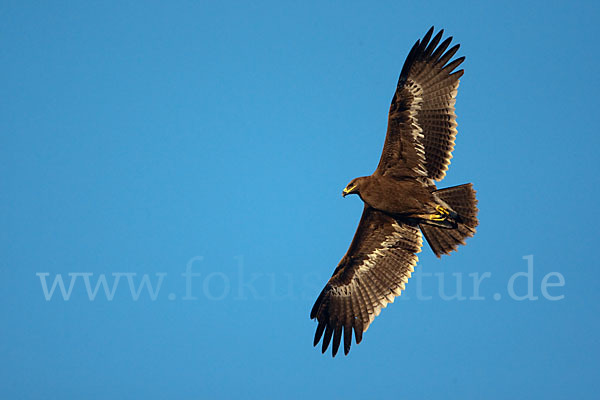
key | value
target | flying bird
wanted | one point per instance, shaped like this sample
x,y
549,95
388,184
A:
x,y
401,199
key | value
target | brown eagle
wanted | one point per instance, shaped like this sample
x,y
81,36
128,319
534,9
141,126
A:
x,y
401,199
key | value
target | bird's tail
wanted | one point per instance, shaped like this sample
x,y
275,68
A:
x,y
461,199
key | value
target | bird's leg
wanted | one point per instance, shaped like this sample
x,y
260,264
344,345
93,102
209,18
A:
x,y
441,215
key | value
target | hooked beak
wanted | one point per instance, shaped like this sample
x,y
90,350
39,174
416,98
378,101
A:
x,y
348,190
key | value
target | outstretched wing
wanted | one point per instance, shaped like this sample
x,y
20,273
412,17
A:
x,y
378,263
422,123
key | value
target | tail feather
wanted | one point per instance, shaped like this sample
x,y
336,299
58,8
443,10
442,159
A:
x,y
462,200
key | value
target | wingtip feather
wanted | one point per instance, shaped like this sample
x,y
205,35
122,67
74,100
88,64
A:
x,y
318,333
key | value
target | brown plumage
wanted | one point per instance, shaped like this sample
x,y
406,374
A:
x,y
401,198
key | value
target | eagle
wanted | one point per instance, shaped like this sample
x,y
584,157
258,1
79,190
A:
x,y
401,199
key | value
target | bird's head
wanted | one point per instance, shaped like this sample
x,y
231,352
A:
x,y
353,187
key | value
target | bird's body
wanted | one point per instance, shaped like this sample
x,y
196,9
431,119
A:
x,y
401,200
398,197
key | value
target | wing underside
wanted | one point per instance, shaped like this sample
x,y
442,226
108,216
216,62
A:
x,y
378,263
422,120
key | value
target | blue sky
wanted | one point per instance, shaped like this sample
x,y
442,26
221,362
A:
x,y
150,139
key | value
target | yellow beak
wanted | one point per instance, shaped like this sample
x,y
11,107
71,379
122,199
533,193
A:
x,y
347,190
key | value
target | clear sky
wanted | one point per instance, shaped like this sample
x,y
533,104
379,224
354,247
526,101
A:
x,y
140,140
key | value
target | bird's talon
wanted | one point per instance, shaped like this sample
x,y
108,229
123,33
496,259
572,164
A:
x,y
437,217
442,210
